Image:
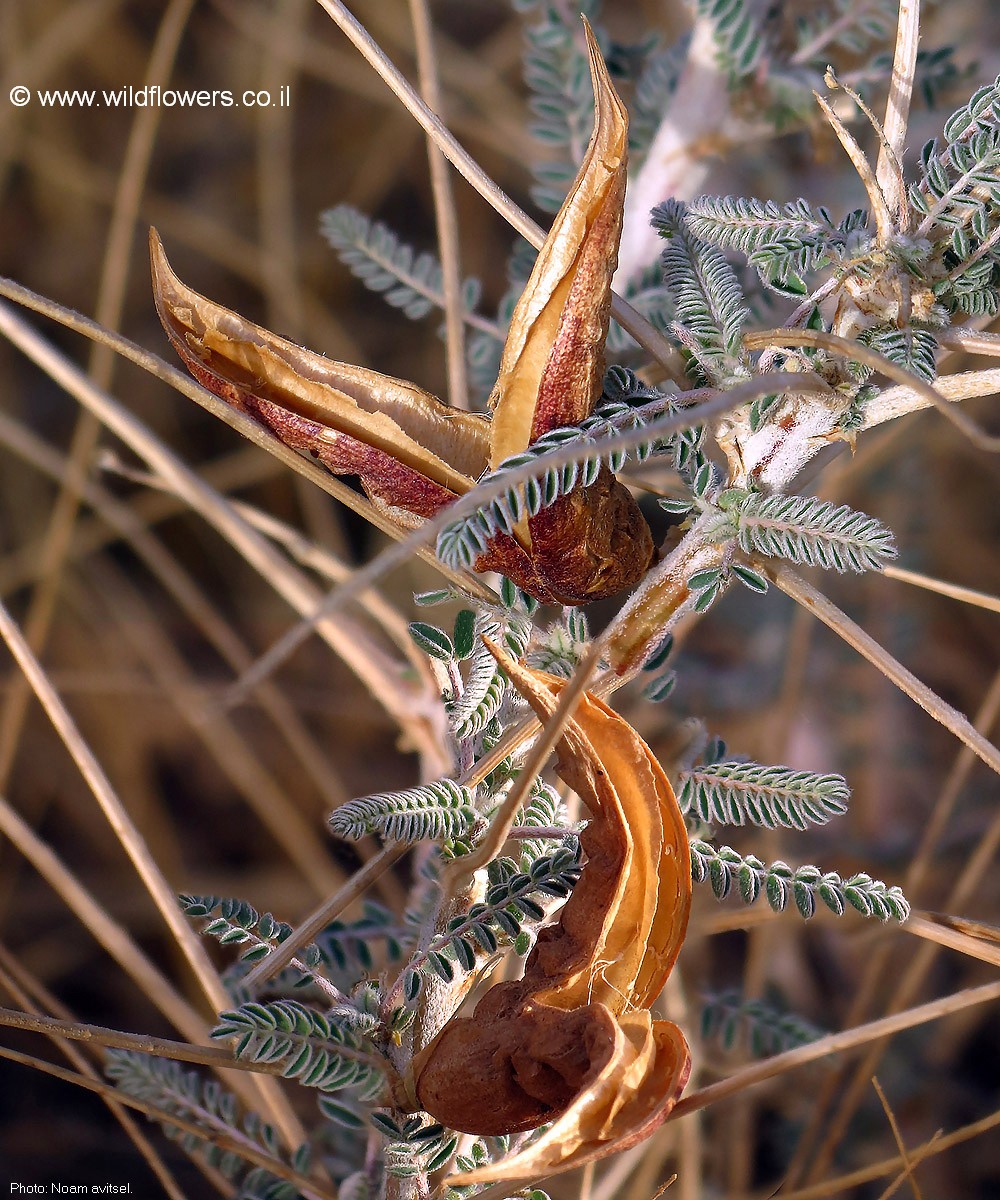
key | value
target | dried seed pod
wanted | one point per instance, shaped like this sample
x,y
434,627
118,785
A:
x,y
594,542
572,1042
413,454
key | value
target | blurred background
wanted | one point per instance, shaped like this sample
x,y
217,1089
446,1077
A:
x,y
237,194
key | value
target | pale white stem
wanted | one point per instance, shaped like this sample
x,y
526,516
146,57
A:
x,y
972,341
898,401
857,351
678,160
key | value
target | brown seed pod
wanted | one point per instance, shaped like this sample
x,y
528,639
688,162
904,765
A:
x,y
572,1042
415,455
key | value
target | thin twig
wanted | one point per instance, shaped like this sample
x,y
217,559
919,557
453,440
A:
x,y
834,1043
302,548
799,589
841,1184
908,1163
647,335
854,350
953,590
920,863
987,949
320,917
275,172
216,1057
286,825
240,1146
907,983
445,216
880,207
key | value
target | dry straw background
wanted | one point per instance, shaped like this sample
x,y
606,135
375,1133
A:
x,y
140,643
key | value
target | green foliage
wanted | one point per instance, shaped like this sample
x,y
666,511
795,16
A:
x,y
738,30
433,641
165,1084
351,945
661,685
516,601
708,302
412,1147
561,646
485,686
544,810
472,701
562,100
706,587
956,203
238,923
483,349
808,531
763,1027
259,1184
306,1045
738,793
660,688
724,867
431,811
499,918
654,89
479,1154
913,349
774,55
341,946
409,281
784,243
843,24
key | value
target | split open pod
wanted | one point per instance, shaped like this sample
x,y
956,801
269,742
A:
x,y
414,454
573,1043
